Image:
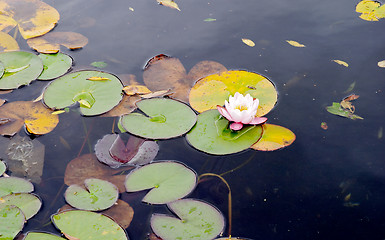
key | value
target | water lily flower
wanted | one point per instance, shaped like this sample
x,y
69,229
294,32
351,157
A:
x,y
241,110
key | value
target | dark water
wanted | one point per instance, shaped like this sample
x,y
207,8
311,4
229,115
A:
x,y
295,193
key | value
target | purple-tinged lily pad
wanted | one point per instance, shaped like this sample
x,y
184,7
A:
x,y
30,204
195,220
9,185
112,151
98,195
12,221
168,181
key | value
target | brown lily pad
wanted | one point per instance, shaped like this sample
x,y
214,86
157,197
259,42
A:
x,y
164,72
126,106
88,166
50,42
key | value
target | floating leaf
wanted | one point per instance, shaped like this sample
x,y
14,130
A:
x,y
7,43
28,203
163,72
212,135
169,3
381,64
214,89
98,79
88,166
136,89
121,212
98,195
3,168
210,20
50,42
163,119
336,109
12,222
55,65
36,117
295,44
42,236
78,224
100,64
196,220
370,10
96,97
345,64
274,137
9,185
167,181
33,17
248,42
29,67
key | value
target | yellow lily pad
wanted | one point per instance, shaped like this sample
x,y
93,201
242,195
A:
x,y
274,137
33,17
214,89
370,10
7,43
50,42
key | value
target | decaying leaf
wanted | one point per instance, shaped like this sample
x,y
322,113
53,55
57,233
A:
x,y
248,42
36,117
169,3
381,64
136,89
346,102
345,64
370,10
7,43
324,125
164,72
295,44
336,109
126,106
33,17
88,166
160,93
98,79
50,42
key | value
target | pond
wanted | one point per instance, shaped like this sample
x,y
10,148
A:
x,y
328,184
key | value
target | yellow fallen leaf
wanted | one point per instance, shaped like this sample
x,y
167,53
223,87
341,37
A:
x,y
295,44
169,3
131,9
7,43
84,103
345,64
136,89
248,42
381,64
39,97
98,79
58,112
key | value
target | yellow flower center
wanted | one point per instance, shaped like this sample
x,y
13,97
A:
x,y
241,107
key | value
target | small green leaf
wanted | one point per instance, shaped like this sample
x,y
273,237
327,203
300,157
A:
x,y
99,64
336,109
210,20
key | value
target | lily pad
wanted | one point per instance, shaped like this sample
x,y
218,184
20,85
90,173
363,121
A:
x,y
28,203
112,151
370,10
55,65
21,68
1,70
95,97
9,185
274,137
3,167
33,17
214,89
98,195
50,42
212,135
168,181
42,236
79,224
7,43
196,220
163,119
12,222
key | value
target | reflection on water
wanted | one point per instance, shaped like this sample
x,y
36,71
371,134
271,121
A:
x,y
330,184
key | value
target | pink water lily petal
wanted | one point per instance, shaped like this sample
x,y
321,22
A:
x,y
258,120
224,113
236,126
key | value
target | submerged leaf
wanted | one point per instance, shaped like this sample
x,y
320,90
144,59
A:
x,y
50,42
100,64
248,42
7,43
295,44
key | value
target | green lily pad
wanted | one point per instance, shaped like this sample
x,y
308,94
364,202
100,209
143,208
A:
x,y
9,185
163,119
214,89
42,236
28,203
78,224
12,222
1,69
168,181
3,168
97,92
196,220
20,68
98,195
55,65
212,135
